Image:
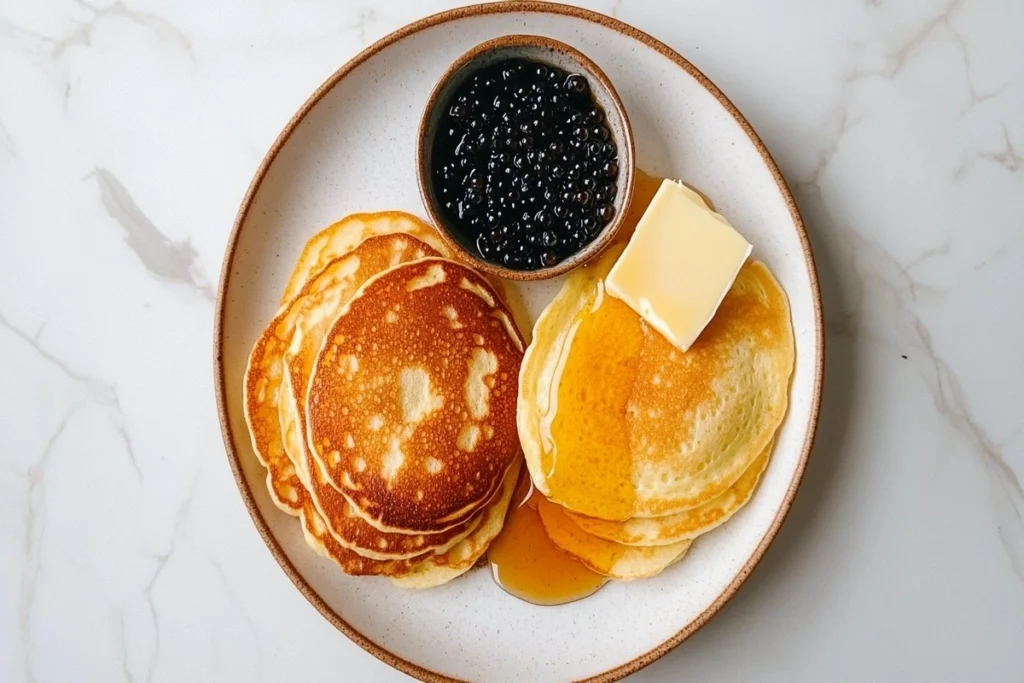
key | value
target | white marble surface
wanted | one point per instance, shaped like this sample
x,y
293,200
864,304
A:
x,y
128,134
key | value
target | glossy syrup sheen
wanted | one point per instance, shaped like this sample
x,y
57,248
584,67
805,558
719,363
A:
x,y
527,565
523,559
587,439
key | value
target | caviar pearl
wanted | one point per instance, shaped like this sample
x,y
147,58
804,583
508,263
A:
x,y
524,165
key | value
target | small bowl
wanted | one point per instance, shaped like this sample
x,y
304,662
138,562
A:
x,y
554,53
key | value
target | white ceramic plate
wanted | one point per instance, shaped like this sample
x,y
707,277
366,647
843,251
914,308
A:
x,y
351,148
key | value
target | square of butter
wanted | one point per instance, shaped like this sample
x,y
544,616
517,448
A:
x,y
679,264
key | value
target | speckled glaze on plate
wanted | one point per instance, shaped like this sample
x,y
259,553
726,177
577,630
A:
x,y
352,147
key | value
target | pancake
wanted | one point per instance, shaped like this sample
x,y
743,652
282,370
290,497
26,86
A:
x,y
411,402
342,522
614,560
439,569
316,306
262,383
638,428
314,530
342,237
681,526
427,570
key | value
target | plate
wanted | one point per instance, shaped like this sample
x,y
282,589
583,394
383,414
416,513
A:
x,y
351,147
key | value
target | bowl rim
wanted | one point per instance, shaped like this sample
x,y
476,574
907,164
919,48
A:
x,y
624,142
221,387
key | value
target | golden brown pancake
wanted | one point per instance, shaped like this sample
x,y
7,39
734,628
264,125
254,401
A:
x,y
333,285
317,305
338,239
441,568
411,404
427,570
681,526
319,538
347,528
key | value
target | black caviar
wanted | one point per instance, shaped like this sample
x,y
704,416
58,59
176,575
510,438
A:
x,y
524,165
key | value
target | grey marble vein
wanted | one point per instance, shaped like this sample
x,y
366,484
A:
x,y
828,150
366,17
1008,157
51,53
952,404
872,264
162,560
147,595
32,540
122,634
941,23
896,58
165,259
82,33
1001,252
233,598
100,392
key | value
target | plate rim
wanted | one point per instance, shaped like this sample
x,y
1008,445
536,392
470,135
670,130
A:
x,y
248,498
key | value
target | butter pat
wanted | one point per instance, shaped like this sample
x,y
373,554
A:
x,y
679,264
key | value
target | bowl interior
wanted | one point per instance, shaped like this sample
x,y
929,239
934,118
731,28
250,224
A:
x,y
552,53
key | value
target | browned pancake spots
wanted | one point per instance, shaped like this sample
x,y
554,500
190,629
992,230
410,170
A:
x,y
333,286
417,387
350,561
341,276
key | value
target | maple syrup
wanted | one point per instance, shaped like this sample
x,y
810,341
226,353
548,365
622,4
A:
x,y
594,469
527,565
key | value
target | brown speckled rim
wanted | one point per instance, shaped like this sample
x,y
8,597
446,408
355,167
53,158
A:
x,y
624,142
511,6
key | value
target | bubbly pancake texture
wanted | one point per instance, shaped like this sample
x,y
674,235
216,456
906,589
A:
x,y
614,560
441,568
317,305
411,403
617,423
342,237
332,286
682,526
319,539
426,570
346,527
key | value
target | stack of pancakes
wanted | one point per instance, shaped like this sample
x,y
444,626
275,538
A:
x,y
637,446
382,399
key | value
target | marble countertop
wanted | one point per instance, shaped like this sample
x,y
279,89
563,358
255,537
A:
x,y
128,134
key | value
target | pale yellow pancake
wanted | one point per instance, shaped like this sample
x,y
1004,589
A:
x,y
411,404
614,560
682,526
637,428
